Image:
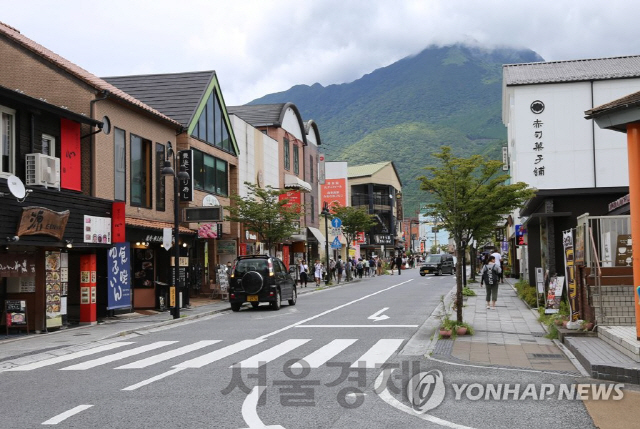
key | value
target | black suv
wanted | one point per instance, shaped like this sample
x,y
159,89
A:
x,y
260,278
438,264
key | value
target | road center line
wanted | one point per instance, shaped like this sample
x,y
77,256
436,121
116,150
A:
x,y
324,313
63,416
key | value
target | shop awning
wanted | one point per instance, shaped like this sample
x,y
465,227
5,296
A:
x,y
291,181
317,234
154,224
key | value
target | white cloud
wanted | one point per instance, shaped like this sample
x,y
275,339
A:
x,y
258,46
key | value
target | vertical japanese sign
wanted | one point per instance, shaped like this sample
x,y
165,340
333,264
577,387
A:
x,y
537,107
334,191
119,277
321,169
570,273
520,232
117,222
185,159
70,162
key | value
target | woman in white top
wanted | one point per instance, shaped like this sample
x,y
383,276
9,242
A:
x,y
304,270
318,272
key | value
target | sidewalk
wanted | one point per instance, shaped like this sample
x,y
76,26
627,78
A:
x,y
21,345
509,336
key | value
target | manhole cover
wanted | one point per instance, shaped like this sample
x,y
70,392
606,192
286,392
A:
x,y
546,356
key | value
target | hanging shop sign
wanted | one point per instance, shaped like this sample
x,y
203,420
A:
x,y
383,239
97,229
293,200
520,232
226,247
619,202
42,221
118,222
119,277
17,265
186,186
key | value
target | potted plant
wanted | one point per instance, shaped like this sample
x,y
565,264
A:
x,y
586,325
446,329
461,330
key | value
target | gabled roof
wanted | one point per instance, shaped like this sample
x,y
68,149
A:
x,y
571,71
177,95
76,71
267,115
365,170
631,100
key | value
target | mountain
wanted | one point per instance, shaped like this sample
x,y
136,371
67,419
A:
x,y
449,95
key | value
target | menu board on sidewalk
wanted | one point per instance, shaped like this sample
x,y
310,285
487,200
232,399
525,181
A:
x,y
554,296
53,289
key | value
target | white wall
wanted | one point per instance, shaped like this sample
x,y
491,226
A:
x,y
257,152
573,147
290,123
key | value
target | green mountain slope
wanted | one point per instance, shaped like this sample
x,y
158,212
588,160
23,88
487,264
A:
x,y
403,112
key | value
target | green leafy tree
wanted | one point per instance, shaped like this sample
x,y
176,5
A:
x,y
469,192
264,213
440,248
354,220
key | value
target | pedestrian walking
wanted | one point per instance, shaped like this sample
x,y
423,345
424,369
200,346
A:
x,y
349,266
490,276
498,257
339,268
318,268
332,269
398,262
379,266
304,273
359,268
365,265
372,267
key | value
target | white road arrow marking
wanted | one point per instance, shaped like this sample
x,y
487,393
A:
x,y
376,316
250,410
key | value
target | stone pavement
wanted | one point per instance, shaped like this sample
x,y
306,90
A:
x,y
510,335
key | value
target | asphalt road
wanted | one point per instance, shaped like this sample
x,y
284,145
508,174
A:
x,y
209,374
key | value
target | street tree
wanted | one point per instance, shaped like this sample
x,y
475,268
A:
x,y
467,192
354,220
440,248
264,213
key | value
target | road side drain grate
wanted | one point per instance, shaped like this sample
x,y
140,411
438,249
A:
x,y
546,356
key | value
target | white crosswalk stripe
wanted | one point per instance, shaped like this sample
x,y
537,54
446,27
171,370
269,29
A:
x,y
117,356
374,357
214,356
266,356
378,354
143,363
324,353
70,356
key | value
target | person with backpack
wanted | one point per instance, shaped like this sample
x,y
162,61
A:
x,y
359,268
490,276
372,267
339,269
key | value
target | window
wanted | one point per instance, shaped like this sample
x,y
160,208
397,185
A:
x,y
211,126
160,190
296,160
311,168
48,145
119,165
210,173
141,174
287,161
7,130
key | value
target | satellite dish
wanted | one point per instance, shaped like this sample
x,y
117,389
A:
x,y
16,187
106,125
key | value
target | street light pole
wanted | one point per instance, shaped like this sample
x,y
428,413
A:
x,y
182,175
325,213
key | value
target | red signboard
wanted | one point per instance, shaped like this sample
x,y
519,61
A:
x,y
334,191
293,197
70,155
360,238
117,222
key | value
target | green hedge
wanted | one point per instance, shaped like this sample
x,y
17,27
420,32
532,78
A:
x,y
527,293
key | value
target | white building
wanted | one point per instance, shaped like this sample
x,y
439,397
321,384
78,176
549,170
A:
x,y
576,166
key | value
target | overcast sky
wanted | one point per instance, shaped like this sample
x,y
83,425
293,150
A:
x,y
263,46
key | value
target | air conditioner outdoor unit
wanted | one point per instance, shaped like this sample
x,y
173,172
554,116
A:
x,y
43,170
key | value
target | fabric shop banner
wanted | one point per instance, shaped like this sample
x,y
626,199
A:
x,y
119,277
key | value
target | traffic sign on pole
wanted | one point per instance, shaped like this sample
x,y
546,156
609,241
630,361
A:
x,y
336,222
